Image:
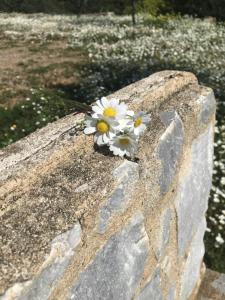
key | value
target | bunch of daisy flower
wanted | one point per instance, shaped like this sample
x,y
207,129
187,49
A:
x,y
116,126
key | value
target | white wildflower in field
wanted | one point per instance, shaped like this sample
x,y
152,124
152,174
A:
x,y
219,239
13,127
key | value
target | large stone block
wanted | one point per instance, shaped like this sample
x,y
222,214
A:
x,y
170,148
167,269
160,236
219,284
152,289
212,286
117,268
57,176
165,230
193,191
208,107
62,249
192,267
172,293
125,175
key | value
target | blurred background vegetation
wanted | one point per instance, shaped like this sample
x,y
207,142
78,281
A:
x,y
214,8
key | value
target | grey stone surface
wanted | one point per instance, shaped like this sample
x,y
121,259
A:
x,y
212,286
208,107
166,265
152,289
193,192
41,175
125,175
170,148
117,268
192,268
219,284
171,294
52,179
53,268
165,230
161,237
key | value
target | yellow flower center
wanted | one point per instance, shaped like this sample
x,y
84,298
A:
x,y
124,141
102,126
138,122
110,112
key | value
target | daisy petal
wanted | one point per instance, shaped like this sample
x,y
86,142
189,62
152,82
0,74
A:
x,y
89,130
123,106
114,101
105,139
100,141
111,135
97,109
104,102
96,116
130,113
98,102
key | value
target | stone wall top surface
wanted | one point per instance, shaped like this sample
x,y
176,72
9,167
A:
x,y
148,94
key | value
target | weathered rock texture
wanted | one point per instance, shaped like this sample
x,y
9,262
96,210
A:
x,y
78,223
212,286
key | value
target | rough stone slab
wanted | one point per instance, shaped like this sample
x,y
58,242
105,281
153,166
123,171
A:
x,y
219,284
56,176
166,267
152,289
118,266
126,175
165,230
172,293
208,107
160,238
212,286
170,148
62,249
193,191
192,268
13,158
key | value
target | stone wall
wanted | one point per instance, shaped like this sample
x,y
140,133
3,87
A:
x,y
79,223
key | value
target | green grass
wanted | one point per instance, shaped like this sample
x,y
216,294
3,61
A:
x,y
40,108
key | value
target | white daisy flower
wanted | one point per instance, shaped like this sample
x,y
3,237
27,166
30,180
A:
x,y
110,109
124,144
219,239
104,129
124,124
139,122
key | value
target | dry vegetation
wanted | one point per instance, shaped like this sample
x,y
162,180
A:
x,y
25,65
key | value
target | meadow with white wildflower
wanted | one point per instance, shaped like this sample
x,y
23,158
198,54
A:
x,y
117,54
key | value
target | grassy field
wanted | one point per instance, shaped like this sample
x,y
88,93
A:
x,y
38,71
52,64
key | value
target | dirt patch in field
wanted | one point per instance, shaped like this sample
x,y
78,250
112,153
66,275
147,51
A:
x,y
35,64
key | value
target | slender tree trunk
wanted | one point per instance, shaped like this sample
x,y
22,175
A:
x,y
133,11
